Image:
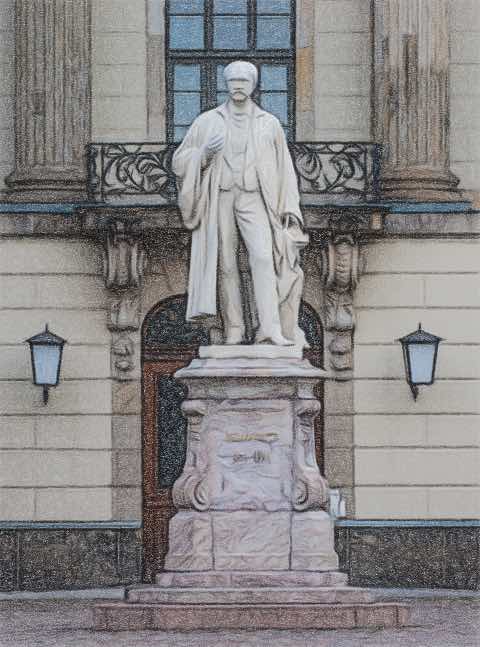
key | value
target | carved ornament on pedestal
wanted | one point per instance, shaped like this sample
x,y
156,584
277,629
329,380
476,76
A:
x,y
190,490
124,267
310,489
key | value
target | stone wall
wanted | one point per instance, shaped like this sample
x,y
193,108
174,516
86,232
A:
x,y
7,80
418,459
55,460
342,64
119,94
465,92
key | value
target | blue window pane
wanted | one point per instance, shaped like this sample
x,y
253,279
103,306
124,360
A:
x,y
187,6
186,32
179,133
221,83
273,6
186,106
230,33
186,77
273,33
230,6
277,104
221,97
273,77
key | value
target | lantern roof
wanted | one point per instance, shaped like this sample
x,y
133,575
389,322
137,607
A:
x,y
420,336
47,338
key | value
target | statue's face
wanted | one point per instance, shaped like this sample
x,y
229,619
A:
x,y
240,89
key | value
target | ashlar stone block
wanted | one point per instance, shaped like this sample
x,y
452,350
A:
x,y
190,540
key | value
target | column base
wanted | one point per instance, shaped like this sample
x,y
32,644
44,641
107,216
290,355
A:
x,y
64,187
420,185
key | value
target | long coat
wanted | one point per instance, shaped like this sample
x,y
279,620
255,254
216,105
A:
x,y
198,191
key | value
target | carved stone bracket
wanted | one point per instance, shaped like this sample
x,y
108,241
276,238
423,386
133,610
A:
x,y
340,275
124,267
310,489
190,490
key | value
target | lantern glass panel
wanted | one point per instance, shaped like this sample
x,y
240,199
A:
x,y
422,358
46,361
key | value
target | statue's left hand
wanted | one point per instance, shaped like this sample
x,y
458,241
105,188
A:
x,y
291,220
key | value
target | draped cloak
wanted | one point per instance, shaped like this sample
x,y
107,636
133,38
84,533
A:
x,y
198,189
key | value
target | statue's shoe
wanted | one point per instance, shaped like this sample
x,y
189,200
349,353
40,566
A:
x,y
234,337
277,339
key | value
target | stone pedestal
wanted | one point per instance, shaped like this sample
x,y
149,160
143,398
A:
x,y
251,545
251,496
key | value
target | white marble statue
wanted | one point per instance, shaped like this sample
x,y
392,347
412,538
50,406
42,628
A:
x,y
235,176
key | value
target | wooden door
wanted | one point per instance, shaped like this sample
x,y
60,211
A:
x,y
160,466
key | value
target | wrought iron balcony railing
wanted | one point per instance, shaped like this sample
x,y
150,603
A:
x,y
141,173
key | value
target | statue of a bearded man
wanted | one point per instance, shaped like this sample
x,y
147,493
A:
x,y
236,179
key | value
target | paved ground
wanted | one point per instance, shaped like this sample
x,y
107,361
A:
x,y
445,622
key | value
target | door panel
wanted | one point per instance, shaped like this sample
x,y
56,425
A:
x,y
164,445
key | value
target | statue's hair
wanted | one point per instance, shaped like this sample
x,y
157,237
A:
x,y
243,68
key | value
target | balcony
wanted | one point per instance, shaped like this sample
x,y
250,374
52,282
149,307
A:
x,y
329,173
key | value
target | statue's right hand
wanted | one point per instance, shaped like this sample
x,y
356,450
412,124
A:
x,y
213,146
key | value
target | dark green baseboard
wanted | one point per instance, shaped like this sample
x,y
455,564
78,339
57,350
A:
x,y
52,556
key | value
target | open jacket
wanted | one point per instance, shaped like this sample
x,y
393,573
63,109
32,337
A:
x,y
267,152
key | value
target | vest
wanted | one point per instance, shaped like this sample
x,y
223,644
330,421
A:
x,y
233,172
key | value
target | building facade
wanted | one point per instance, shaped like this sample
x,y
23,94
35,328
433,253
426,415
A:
x,y
380,100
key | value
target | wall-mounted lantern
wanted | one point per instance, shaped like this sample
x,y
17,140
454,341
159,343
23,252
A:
x,y
420,349
46,351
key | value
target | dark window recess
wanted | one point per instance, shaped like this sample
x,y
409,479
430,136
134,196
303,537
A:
x,y
205,35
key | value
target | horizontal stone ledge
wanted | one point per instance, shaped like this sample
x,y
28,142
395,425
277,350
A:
x,y
340,523
70,525
407,523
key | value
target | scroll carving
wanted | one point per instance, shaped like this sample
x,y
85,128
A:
x,y
124,260
190,490
310,489
124,267
340,274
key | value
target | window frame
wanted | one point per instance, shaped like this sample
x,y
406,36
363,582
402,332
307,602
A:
x,y
208,58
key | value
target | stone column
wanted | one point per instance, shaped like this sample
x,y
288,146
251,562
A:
x,y
412,99
52,113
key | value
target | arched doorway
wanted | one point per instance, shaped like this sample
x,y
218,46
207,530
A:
x,y
168,344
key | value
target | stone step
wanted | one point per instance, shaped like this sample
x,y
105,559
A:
x,y
123,616
248,579
276,595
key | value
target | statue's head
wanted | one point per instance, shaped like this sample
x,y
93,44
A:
x,y
241,78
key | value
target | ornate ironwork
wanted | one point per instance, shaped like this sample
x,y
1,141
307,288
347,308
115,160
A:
x,y
142,172
131,172
337,169
167,326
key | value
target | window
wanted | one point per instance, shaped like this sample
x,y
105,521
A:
x,y
203,36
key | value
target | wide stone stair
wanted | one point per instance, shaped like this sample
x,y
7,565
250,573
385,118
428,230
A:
x,y
215,600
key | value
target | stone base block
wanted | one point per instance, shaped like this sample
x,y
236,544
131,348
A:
x,y
312,542
189,617
251,541
190,542
266,595
245,579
